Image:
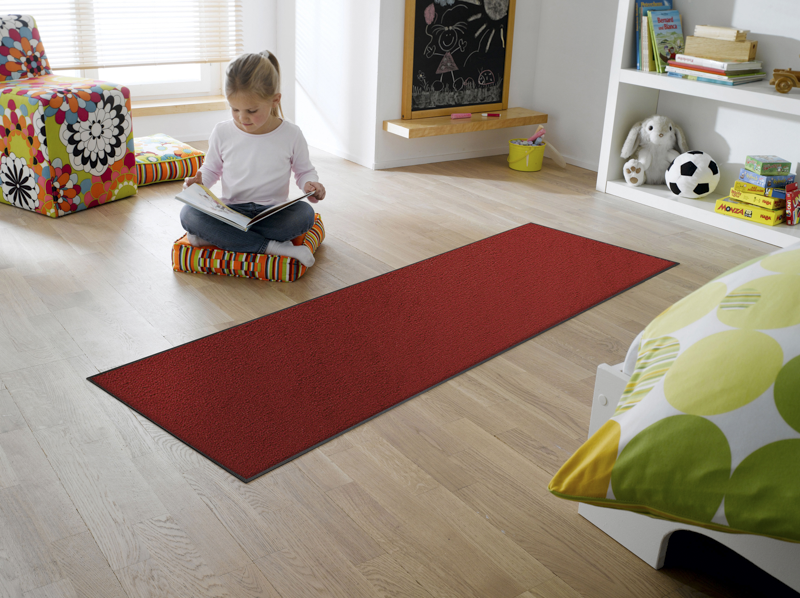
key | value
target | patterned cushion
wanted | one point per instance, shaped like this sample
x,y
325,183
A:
x,y
47,164
708,430
22,54
160,158
66,143
212,260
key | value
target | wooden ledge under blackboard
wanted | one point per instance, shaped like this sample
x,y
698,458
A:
x,y
444,125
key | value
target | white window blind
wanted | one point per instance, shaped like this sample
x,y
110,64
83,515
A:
x,y
89,34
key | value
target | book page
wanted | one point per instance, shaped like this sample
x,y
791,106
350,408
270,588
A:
x,y
277,208
204,200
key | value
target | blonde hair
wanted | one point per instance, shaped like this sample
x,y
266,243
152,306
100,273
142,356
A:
x,y
257,74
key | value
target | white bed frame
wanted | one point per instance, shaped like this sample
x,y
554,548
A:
x,y
646,537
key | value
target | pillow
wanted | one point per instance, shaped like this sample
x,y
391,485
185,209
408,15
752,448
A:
x,y
707,431
213,260
160,158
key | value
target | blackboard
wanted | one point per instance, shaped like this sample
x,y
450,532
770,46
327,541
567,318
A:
x,y
457,56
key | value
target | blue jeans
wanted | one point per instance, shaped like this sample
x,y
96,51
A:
x,y
287,224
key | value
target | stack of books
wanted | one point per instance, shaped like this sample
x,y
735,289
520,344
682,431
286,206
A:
x,y
720,55
659,34
760,193
641,25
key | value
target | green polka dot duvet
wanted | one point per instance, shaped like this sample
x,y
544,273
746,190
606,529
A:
x,y
707,431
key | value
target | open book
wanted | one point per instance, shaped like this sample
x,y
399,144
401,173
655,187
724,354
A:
x,y
201,198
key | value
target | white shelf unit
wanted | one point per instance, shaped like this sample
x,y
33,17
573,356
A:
x,y
633,96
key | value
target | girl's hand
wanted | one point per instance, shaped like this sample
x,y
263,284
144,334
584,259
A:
x,y
317,188
188,182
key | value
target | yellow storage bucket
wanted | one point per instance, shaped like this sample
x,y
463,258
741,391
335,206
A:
x,y
525,157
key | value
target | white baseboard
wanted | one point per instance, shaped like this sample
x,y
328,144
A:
x,y
416,160
496,151
582,163
367,163
493,151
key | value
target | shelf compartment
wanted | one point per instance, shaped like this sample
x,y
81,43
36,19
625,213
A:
x,y
702,210
444,125
754,95
634,95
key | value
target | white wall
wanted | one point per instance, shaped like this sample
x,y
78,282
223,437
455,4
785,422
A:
x,y
283,27
571,75
260,18
337,75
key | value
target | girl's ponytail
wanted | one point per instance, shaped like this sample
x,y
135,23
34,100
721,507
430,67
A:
x,y
276,110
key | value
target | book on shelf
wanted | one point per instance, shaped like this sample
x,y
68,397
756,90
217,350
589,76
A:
x,y
718,49
666,35
741,77
704,69
704,79
645,48
203,199
641,8
730,34
723,65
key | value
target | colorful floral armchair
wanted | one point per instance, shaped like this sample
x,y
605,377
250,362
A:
x,y
66,143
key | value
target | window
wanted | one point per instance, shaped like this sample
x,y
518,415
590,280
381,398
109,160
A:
x,y
165,80
154,47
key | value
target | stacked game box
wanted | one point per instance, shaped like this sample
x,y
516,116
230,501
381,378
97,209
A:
x,y
792,204
767,165
760,193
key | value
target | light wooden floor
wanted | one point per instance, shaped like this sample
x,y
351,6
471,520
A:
x,y
444,496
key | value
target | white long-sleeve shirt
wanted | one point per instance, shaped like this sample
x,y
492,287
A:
x,y
257,168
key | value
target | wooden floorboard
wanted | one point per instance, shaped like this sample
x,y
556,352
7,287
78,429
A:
x,y
445,496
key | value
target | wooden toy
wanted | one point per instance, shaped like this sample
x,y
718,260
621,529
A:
x,y
719,49
784,80
556,156
551,151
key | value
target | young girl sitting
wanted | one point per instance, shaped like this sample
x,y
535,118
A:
x,y
253,155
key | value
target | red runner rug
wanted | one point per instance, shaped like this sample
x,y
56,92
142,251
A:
x,y
259,394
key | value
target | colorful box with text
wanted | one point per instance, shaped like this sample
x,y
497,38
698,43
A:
x,y
746,211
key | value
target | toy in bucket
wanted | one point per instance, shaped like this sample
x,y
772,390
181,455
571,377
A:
x,y
527,154
526,157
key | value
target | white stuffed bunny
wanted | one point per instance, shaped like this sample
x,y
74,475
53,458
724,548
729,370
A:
x,y
652,145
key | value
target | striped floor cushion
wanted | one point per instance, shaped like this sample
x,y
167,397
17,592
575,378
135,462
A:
x,y
212,260
160,158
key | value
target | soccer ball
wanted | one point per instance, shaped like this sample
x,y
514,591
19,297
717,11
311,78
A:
x,y
693,174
